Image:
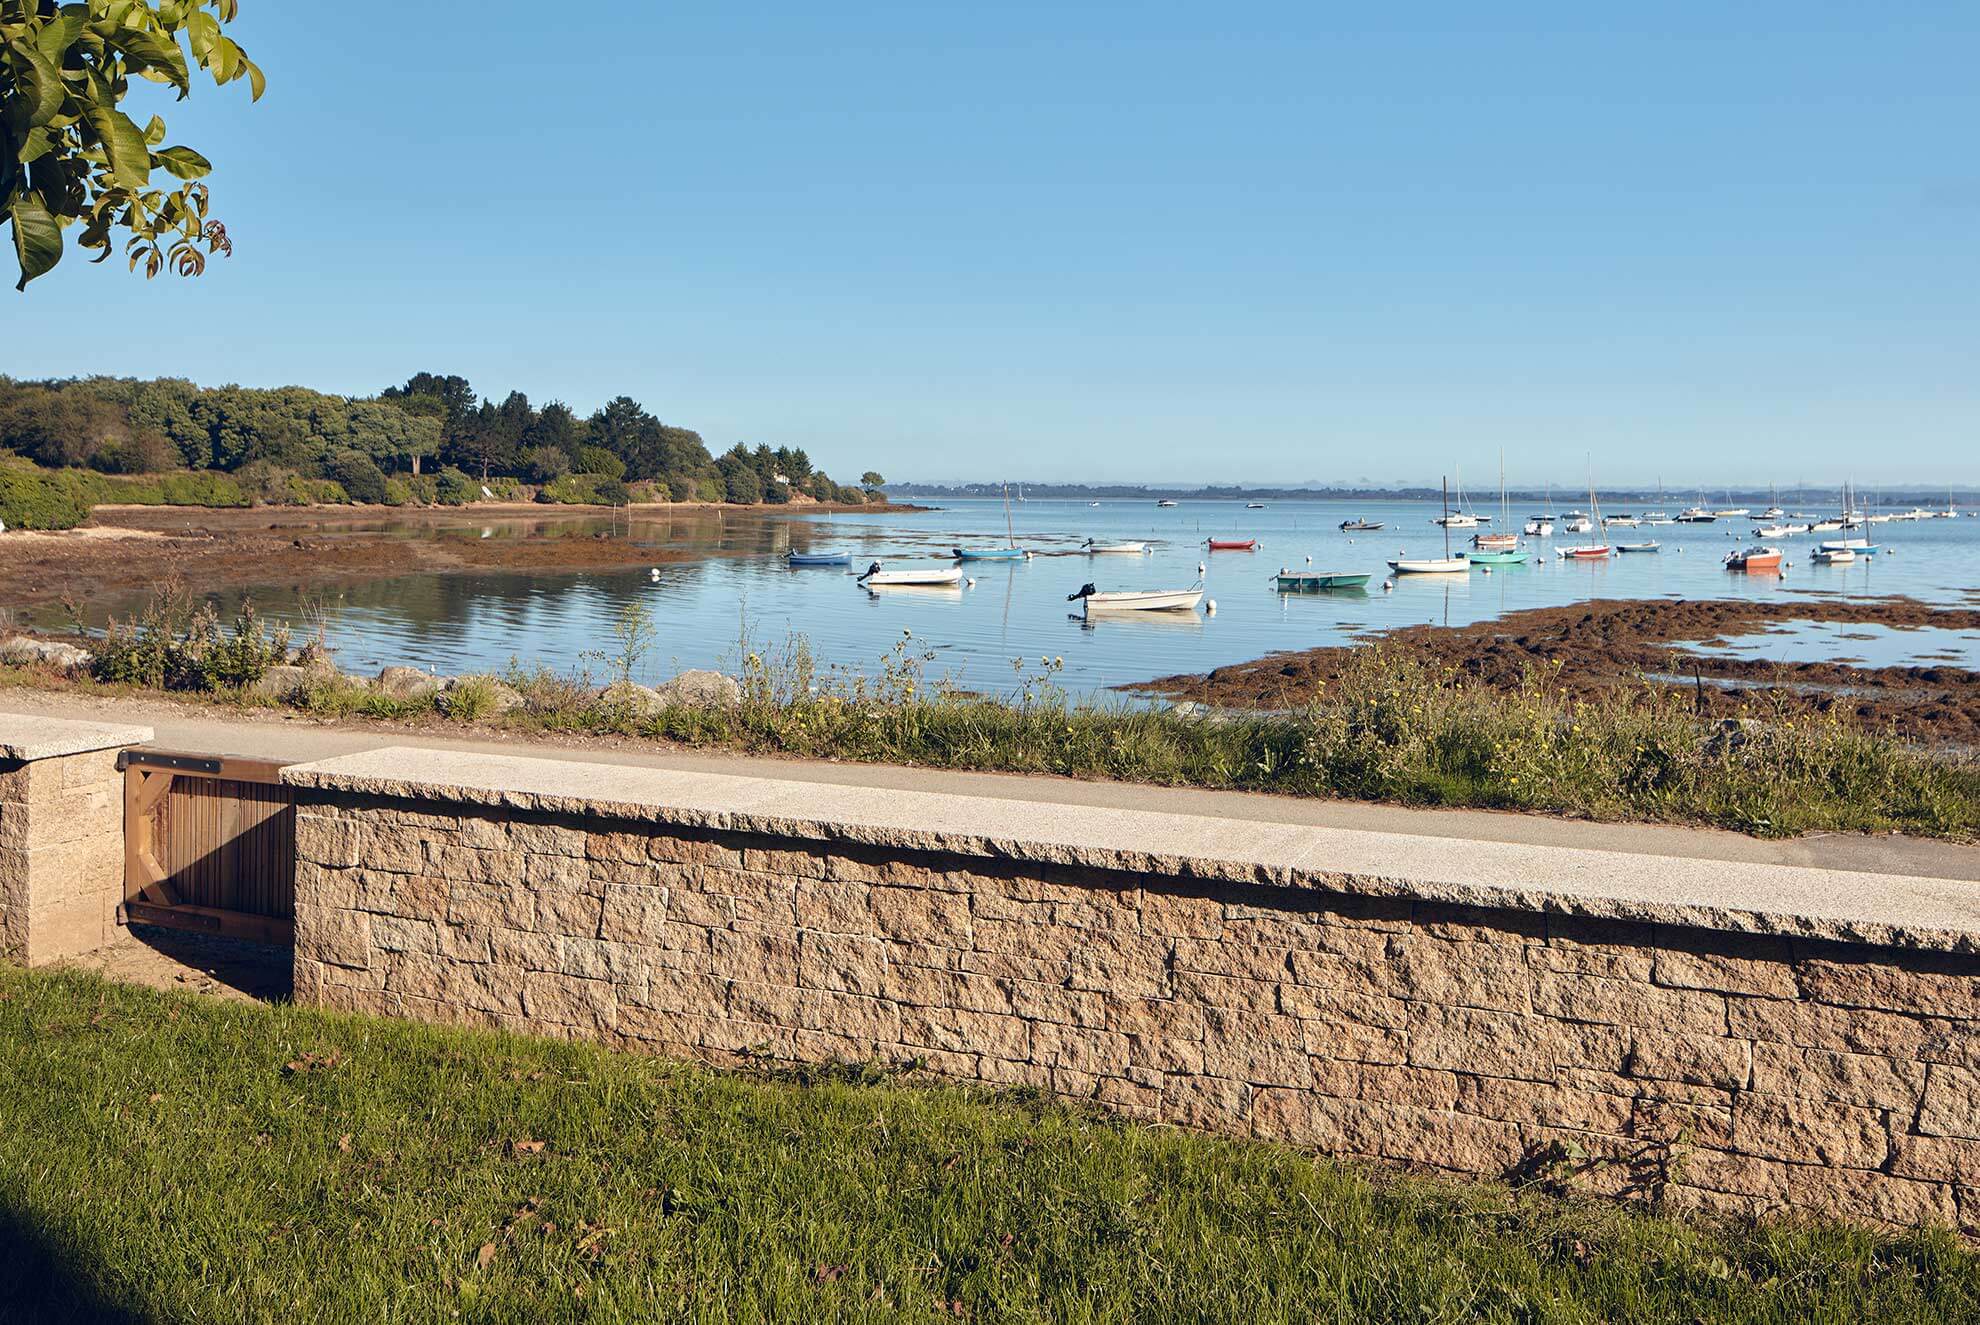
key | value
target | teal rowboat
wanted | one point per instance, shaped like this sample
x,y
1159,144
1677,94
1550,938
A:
x,y
1508,558
1309,581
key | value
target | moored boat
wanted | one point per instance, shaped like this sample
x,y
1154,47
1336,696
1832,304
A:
x,y
1444,565
1091,600
1092,546
818,558
1232,544
1651,545
1759,557
1353,525
1308,581
1165,502
937,576
1506,556
1833,556
990,554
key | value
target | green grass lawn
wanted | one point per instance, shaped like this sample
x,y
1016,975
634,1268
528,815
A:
x,y
172,1158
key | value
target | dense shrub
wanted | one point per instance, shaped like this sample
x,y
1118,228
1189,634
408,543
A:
x,y
177,645
453,488
360,475
597,460
35,498
743,486
585,490
544,464
315,492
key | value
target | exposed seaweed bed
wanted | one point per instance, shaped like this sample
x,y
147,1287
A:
x,y
131,547
1589,648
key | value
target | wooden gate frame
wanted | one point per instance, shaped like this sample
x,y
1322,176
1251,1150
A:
x,y
149,899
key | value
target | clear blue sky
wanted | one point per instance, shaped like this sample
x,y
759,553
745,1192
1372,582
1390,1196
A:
x,y
1152,240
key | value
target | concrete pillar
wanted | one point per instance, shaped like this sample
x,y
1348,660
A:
x,y
61,835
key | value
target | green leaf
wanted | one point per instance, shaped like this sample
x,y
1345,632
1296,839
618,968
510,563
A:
x,y
257,81
123,145
37,237
36,144
148,53
201,31
183,162
224,59
60,33
41,83
154,132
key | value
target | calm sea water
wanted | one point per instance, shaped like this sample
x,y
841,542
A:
x,y
456,623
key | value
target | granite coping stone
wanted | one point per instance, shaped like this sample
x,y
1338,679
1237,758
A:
x,y
24,739
1892,910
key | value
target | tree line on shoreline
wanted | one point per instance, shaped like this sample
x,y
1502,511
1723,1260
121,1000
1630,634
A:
x,y
431,440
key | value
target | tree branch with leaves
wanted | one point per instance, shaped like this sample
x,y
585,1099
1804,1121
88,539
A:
x,y
70,155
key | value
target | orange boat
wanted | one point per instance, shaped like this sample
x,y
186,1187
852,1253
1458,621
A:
x,y
1754,558
1233,544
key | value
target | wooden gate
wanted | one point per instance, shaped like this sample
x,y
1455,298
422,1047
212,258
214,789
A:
x,y
209,845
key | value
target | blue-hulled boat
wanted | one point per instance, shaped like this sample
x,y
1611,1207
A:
x,y
819,558
1010,552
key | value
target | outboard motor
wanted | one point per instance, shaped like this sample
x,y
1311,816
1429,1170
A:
x,y
1085,590
870,570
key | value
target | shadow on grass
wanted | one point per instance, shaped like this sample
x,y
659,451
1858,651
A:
x,y
40,1280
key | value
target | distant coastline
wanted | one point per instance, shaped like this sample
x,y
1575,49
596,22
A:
x,y
1562,494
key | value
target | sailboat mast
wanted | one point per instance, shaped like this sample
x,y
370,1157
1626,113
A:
x,y
1447,519
1010,531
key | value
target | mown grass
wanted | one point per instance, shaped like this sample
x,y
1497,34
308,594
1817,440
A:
x,y
173,1158
1394,729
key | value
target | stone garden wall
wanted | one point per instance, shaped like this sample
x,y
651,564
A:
x,y
1714,1067
61,836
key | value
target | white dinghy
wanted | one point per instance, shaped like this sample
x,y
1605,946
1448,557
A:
x,y
1092,600
1135,548
926,576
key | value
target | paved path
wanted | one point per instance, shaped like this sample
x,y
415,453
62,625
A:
x,y
275,735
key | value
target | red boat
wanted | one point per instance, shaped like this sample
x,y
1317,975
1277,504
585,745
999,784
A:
x,y
1754,558
1233,544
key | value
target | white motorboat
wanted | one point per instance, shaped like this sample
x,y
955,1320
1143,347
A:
x,y
938,576
1137,548
1138,600
1833,556
1540,527
1457,520
1577,523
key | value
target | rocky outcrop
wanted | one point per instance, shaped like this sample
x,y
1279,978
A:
x,y
699,689
21,651
407,683
641,701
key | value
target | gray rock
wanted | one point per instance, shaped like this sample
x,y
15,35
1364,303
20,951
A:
x,y
406,683
24,652
284,683
700,689
642,701
1733,736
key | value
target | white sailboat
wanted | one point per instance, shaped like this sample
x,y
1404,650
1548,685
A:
x,y
1447,564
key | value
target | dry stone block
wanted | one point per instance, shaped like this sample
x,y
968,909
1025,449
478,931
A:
x,y
1810,1131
